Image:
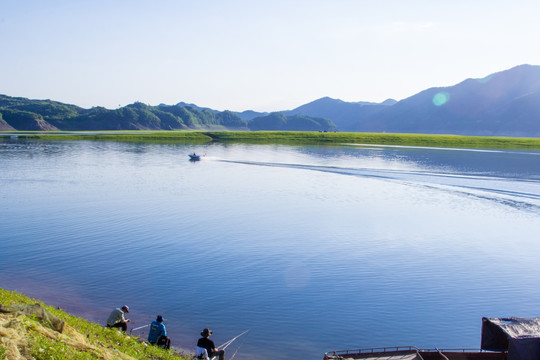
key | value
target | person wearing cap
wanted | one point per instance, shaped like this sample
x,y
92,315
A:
x,y
208,344
158,333
117,320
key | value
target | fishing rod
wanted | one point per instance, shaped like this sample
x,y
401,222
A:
x,y
238,348
227,343
138,328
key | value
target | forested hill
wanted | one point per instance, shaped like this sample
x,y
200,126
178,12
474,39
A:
x,y
280,121
45,115
26,114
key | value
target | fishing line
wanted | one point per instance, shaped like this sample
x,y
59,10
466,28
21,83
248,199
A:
x,y
227,343
238,348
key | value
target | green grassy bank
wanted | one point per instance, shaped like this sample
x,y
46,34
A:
x,y
303,137
30,329
295,137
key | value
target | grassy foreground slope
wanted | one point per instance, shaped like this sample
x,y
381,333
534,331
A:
x,y
30,329
297,137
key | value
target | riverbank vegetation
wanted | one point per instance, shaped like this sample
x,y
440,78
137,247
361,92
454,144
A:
x,y
341,138
292,138
131,136
30,329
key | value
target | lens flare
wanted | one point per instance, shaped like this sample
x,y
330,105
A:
x,y
441,98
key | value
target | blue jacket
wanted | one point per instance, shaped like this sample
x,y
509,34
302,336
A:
x,y
157,329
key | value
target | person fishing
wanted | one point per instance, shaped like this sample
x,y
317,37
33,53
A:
x,y
158,334
209,345
117,320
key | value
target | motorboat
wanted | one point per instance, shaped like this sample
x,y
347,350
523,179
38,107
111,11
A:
x,y
502,339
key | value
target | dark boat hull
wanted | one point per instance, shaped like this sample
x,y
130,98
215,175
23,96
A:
x,y
413,353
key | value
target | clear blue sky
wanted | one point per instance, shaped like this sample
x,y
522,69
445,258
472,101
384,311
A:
x,y
261,55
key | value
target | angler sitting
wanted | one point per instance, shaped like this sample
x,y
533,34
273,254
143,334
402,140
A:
x,y
208,344
116,318
158,334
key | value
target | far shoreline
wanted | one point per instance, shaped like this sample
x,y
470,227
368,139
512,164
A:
x,y
285,137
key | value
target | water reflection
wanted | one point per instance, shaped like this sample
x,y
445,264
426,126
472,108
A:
x,y
330,247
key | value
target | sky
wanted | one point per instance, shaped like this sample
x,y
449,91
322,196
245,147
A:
x,y
256,55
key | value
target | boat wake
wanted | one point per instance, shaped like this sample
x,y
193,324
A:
x,y
515,192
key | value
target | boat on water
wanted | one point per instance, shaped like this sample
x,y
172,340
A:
x,y
194,157
502,339
414,353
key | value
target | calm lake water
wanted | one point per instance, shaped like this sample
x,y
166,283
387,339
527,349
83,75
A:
x,y
311,248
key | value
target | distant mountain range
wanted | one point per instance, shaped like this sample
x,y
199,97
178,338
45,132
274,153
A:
x,y
506,103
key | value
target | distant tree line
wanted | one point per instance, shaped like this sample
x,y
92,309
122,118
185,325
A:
x,y
34,115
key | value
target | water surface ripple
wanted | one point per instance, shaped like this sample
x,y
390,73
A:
x,y
312,248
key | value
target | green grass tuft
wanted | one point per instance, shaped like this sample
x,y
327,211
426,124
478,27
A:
x,y
98,341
